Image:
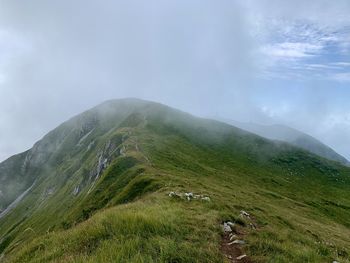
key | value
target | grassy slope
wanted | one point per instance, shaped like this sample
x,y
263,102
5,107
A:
x,y
294,137
12,186
300,201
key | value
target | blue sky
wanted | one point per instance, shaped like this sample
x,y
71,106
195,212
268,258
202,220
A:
x,y
305,77
265,61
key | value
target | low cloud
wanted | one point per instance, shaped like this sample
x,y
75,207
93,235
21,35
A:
x,y
229,58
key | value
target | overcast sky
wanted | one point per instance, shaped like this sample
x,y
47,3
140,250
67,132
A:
x,y
265,61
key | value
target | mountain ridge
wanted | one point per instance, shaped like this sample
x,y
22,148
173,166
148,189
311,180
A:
x,y
108,172
293,136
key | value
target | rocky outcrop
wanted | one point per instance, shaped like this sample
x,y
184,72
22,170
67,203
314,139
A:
x,y
190,196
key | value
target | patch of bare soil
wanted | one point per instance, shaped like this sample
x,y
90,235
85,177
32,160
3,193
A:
x,y
232,241
233,252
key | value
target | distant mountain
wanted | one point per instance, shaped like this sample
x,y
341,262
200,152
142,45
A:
x,y
137,181
294,137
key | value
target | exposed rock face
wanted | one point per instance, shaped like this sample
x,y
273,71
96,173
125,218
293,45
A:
x,y
84,138
76,190
87,125
111,150
102,164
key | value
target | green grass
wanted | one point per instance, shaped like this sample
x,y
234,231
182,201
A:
x,y
299,201
136,232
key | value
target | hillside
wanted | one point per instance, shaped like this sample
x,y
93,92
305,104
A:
x,y
137,181
294,137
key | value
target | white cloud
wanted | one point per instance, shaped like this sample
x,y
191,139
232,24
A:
x,y
321,67
341,64
299,39
341,77
292,50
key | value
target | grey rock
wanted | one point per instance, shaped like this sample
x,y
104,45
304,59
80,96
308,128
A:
x,y
232,237
206,198
171,194
230,223
241,256
189,196
245,214
237,241
227,228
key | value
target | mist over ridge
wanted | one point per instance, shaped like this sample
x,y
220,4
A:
x,y
251,61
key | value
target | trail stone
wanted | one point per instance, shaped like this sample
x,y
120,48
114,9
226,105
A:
x,y
227,228
189,196
252,226
241,256
239,242
244,213
230,223
232,237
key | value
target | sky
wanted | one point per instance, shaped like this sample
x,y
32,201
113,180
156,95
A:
x,y
263,61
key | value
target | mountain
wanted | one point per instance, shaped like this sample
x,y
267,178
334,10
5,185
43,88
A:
x,y
294,137
137,181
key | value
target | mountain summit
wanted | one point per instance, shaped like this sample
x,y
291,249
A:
x,y
137,181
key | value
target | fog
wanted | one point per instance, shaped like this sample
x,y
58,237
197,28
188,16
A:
x,y
252,61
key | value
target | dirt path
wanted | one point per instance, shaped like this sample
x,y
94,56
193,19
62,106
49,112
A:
x,y
233,239
233,252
